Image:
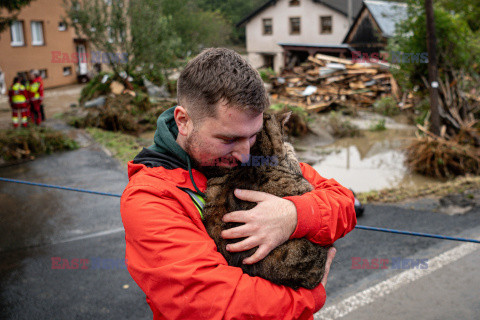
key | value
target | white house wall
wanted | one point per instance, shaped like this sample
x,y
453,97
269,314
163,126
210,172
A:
x,y
280,13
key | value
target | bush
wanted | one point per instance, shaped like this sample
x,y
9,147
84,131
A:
x,y
27,143
267,74
379,126
386,106
95,88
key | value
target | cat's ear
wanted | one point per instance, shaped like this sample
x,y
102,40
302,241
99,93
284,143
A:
x,y
284,117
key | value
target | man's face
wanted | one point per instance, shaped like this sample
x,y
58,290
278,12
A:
x,y
218,144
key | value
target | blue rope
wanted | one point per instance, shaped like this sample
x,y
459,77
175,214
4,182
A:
x,y
410,233
59,187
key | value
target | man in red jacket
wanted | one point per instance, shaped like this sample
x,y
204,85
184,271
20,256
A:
x,y
35,90
169,254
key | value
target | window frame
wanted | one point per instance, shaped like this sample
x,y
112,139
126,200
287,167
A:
x,y
264,25
43,73
37,43
13,43
62,28
69,69
322,31
299,25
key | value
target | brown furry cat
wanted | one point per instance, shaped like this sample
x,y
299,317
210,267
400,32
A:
x,y
273,169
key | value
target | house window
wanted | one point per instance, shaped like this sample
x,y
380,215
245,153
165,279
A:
x,y
62,26
295,25
16,32
293,3
326,24
37,33
267,26
43,73
67,71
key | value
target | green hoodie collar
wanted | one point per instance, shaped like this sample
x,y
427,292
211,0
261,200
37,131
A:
x,y
165,141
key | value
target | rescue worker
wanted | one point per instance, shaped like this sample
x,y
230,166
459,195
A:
x,y
169,254
19,102
35,91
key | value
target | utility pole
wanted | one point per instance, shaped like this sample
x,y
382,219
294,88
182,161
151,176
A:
x,y
350,13
432,68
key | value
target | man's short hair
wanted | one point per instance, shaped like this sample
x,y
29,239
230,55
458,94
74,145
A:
x,y
220,74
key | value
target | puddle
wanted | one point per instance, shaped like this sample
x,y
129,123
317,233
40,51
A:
x,y
372,162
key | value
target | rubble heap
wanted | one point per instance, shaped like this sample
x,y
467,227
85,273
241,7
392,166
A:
x,y
324,81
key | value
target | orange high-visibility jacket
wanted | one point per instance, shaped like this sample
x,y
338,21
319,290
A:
x,y
174,261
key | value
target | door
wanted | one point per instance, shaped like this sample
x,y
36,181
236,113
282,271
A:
x,y
82,60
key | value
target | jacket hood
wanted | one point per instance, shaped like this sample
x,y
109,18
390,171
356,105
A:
x,y
166,136
165,151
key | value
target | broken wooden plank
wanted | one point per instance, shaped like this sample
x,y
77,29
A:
x,y
332,59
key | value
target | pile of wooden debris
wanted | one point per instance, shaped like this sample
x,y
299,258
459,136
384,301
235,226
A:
x,y
324,81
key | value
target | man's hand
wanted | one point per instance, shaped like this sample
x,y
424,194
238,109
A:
x,y
269,224
330,255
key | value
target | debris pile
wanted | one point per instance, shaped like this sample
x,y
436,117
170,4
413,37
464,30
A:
x,y
21,144
129,104
325,81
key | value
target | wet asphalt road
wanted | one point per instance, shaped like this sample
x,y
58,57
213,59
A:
x,y
39,226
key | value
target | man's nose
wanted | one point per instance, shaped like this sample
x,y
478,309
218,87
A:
x,y
242,151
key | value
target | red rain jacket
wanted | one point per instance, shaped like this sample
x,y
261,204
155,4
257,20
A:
x,y
174,261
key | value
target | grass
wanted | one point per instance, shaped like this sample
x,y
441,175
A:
x,y
458,185
123,147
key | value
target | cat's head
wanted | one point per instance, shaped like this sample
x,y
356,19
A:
x,y
270,141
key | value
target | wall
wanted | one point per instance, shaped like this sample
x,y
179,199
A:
x,y
310,12
27,57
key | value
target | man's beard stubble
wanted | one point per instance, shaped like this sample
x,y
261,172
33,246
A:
x,y
209,171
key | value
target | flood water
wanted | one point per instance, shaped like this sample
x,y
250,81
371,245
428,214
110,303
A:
x,y
372,162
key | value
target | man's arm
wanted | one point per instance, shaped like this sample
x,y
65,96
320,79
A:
x,y
176,264
322,216
325,214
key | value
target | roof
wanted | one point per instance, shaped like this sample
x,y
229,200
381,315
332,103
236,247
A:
x,y
314,45
387,14
340,6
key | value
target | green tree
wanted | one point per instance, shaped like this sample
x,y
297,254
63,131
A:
x,y
155,34
468,9
197,28
458,55
157,49
105,25
457,45
233,11
12,8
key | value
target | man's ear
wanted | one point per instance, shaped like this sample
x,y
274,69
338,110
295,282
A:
x,y
182,119
284,117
